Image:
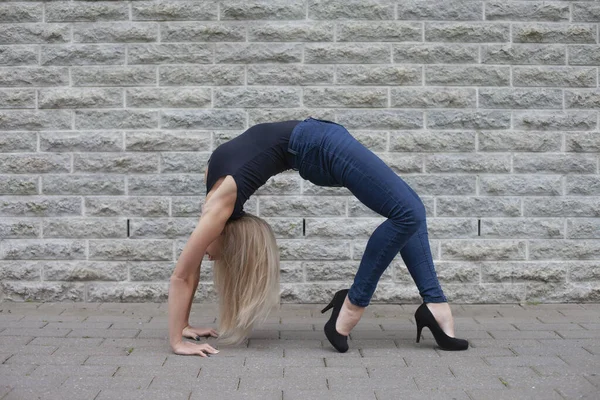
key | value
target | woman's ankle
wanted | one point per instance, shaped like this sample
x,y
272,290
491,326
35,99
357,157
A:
x,y
348,317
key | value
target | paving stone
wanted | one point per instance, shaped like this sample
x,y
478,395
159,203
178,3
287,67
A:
x,y
339,394
425,394
120,394
42,393
80,370
36,332
520,361
512,394
282,384
203,393
96,382
16,369
125,360
225,383
344,382
46,360
28,349
104,333
54,341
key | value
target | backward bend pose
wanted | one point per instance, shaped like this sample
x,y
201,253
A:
x,y
246,268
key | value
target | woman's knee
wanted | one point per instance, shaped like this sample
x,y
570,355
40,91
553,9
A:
x,y
410,212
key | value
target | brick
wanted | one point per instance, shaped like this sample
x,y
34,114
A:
x,y
434,53
521,185
578,249
140,249
467,163
519,141
83,228
21,13
560,207
572,33
367,31
85,54
115,32
523,11
344,97
11,270
18,55
129,292
586,12
62,12
182,75
483,249
182,184
254,97
34,33
568,163
130,206
133,75
84,271
185,10
582,229
257,10
202,32
347,53
168,140
432,98
554,76
116,119
54,249
18,185
483,75
452,10
168,97
470,32
383,75
232,53
302,206
83,185
291,32
380,119
170,53
203,119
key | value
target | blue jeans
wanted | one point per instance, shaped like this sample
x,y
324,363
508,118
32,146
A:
x,y
326,154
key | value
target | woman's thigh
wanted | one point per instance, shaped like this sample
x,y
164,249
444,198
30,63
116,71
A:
x,y
369,178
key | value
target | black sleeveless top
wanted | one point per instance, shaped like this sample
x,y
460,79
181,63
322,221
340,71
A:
x,y
251,159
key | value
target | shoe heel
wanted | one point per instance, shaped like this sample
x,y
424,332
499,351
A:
x,y
419,329
327,307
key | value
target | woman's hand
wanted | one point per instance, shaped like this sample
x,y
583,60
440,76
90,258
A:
x,y
197,333
189,349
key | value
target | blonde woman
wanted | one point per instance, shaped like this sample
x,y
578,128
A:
x,y
246,268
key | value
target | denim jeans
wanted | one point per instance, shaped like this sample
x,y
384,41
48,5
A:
x,y
326,154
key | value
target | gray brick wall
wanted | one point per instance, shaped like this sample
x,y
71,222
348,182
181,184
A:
x,y
488,109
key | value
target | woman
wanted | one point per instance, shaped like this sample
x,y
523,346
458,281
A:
x,y
246,269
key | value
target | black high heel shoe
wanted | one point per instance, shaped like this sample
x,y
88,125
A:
x,y
424,317
339,341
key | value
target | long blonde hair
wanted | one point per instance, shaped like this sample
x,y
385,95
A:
x,y
246,277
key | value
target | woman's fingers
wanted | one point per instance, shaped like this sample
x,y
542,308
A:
x,y
209,349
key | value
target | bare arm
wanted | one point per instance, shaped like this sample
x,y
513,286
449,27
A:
x,y
216,211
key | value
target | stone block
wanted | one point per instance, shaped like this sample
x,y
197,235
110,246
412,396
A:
x,y
120,32
81,12
375,31
165,11
131,75
18,185
183,75
452,75
34,33
525,141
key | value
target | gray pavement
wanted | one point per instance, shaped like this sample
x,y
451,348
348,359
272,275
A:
x,y
120,351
